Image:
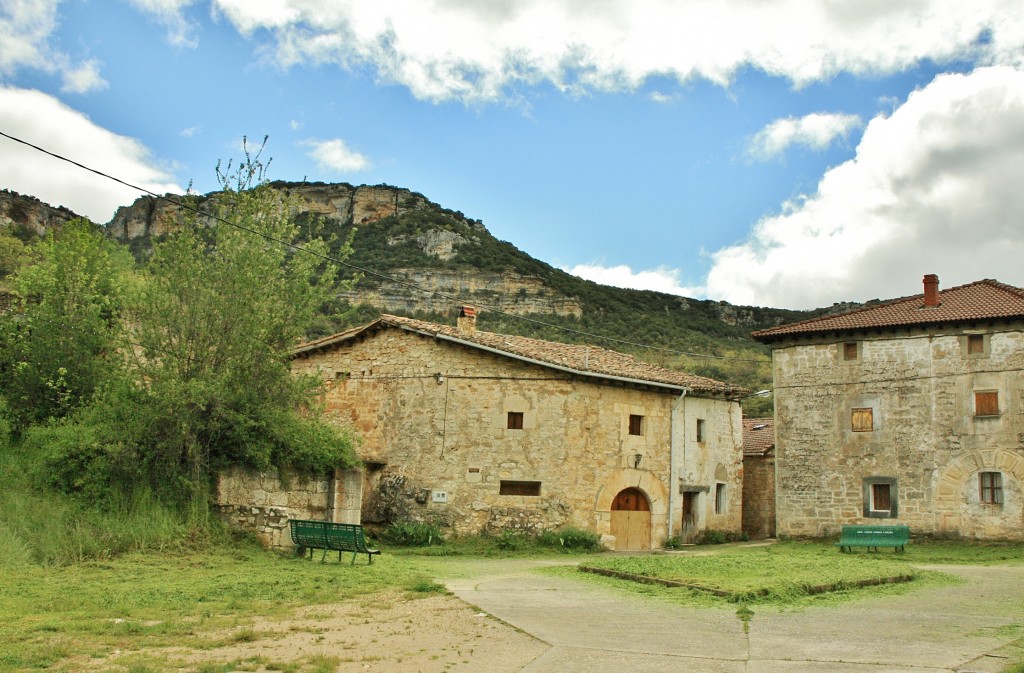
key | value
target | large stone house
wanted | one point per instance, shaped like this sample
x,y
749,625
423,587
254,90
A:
x,y
910,412
485,433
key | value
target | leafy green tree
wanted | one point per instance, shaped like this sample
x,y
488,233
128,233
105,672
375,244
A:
x,y
11,253
58,343
223,301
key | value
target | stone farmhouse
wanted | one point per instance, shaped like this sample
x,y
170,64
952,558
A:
x,y
909,412
485,433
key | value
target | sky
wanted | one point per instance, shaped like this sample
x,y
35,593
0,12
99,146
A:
x,y
784,153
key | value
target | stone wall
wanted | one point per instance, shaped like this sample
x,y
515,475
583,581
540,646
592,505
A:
x,y
433,418
264,502
925,436
759,495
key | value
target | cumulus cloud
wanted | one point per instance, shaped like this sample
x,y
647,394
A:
x,y
84,78
180,31
661,279
335,155
816,131
479,51
933,188
43,120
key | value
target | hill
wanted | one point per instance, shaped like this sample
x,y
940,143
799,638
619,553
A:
x,y
423,260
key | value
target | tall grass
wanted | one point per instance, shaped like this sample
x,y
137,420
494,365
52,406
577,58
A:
x,y
40,526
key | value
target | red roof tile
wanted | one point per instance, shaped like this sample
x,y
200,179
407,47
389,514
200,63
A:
x,y
758,436
979,301
578,359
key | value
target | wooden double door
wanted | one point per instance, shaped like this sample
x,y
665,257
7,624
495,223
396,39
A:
x,y
631,519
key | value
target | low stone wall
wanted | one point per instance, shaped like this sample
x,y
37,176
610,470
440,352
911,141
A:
x,y
263,502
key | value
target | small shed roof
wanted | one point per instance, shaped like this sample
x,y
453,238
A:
x,y
758,436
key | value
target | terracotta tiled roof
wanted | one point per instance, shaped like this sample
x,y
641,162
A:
x,y
579,359
758,436
979,301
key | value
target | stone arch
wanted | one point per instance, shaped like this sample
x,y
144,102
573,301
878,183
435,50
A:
x,y
949,488
653,488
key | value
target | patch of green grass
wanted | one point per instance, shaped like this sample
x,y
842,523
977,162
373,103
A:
x,y
511,544
159,600
782,574
956,552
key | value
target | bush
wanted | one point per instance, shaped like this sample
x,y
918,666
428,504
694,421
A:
x,y
570,538
5,426
674,542
511,541
721,537
411,534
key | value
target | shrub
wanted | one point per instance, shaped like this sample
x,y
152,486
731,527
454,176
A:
x,y
674,542
570,538
412,534
511,541
721,537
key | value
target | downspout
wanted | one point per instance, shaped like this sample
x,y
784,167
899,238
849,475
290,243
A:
x,y
677,405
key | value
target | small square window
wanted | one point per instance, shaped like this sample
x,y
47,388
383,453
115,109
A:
x,y
636,424
850,350
527,488
720,501
986,403
701,430
991,485
515,420
975,344
862,420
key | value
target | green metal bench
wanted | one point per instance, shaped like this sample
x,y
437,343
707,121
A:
x,y
339,537
874,537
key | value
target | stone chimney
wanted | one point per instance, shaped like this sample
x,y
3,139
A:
x,y
466,322
931,290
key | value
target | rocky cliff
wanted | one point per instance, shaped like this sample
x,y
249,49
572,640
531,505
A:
x,y
25,216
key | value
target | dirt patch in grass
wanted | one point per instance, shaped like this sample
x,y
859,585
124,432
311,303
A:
x,y
385,632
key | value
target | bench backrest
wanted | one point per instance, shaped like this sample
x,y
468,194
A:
x,y
890,533
307,533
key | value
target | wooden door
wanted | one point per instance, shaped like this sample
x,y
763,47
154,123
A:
x,y
631,520
689,517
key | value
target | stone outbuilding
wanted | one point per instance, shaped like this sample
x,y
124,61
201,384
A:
x,y
910,411
481,432
759,477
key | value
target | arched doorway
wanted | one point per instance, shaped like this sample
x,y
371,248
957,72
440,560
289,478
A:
x,y
631,519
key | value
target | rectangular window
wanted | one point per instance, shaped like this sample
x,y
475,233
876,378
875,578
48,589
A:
x,y
720,502
880,498
862,420
986,403
975,344
515,420
850,350
701,430
531,488
991,484
636,424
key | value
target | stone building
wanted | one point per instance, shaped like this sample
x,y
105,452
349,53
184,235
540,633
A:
x,y
759,477
484,433
910,412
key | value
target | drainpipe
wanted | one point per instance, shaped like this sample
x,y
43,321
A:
x,y
677,405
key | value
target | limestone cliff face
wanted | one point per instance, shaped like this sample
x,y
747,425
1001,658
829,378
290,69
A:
x,y
29,214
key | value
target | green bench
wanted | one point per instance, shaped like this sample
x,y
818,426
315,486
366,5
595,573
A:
x,y
339,537
874,537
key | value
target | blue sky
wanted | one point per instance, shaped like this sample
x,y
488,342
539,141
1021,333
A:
x,y
787,153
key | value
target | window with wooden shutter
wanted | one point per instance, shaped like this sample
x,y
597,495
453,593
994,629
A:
x,y
862,420
880,500
986,403
991,484
636,424
701,430
850,350
527,488
515,420
975,344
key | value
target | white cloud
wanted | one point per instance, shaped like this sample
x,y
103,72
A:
x,y
190,131
295,125
84,78
335,155
816,131
181,32
661,279
934,188
477,51
44,121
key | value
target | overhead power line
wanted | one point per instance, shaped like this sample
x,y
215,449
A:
x,y
369,272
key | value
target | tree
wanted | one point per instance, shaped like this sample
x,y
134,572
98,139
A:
x,y
224,300
57,344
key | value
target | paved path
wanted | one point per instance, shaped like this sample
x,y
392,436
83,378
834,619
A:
x,y
592,628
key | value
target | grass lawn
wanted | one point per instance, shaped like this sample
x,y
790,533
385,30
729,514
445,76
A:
x,y
144,601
